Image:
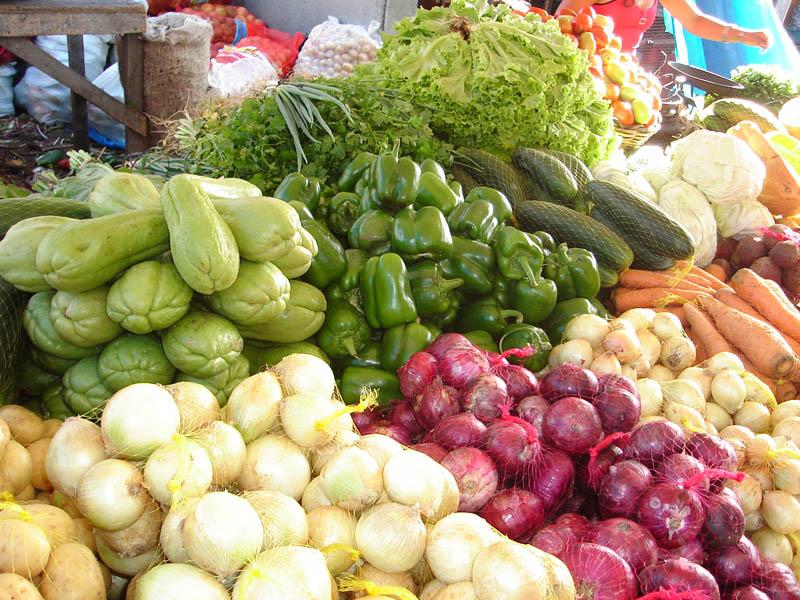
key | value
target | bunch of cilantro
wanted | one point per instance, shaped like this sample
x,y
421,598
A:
x,y
495,81
768,84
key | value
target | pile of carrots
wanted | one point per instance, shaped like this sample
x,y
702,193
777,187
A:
x,y
749,316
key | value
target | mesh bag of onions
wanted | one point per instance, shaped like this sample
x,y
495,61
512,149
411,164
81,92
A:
x,y
334,50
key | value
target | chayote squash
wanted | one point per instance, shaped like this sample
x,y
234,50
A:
x,y
266,229
298,261
80,318
202,344
83,255
83,390
123,192
303,317
34,380
149,296
203,247
225,188
258,295
53,404
39,327
18,252
49,363
264,354
223,383
134,359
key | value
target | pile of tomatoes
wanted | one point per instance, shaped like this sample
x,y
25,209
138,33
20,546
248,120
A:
x,y
224,21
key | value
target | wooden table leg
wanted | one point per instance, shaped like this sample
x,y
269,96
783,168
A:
x,y
80,112
130,49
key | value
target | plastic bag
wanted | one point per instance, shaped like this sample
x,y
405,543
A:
x,y
7,72
102,128
334,50
237,71
279,47
43,97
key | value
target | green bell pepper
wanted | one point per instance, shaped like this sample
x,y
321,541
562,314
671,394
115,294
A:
x,y
302,210
421,232
503,290
345,331
433,294
521,335
369,356
474,263
396,181
486,314
343,210
303,317
431,166
518,254
535,300
372,232
602,311
502,207
458,190
356,379
330,263
400,342
354,170
261,354
346,288
434,191
546,241
446,318
386,292
563,314
297,186
483,340
575,272
475,220
368,199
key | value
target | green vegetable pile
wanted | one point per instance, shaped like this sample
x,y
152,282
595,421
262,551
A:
x,y
767,84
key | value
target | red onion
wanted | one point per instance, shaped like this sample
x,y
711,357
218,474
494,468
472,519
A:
x,y
513,445
692,551
724,523
532,410
619,493
679,575
436,402
401,413
515,513
679,467
600,463
778,582
416,374
712,451
553,540
519,381
367,417
486,396
735,565
619,409
435,451
446,342
599,573
747,593
572,425
552,478
654,441
475,475
635,544
396,432
612,383
457,431
673,515
568,380
576,525
458,366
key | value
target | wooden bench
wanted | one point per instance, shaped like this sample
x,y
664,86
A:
x,y
23,19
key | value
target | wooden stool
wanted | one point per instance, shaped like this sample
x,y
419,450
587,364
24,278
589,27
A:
x,y
23,19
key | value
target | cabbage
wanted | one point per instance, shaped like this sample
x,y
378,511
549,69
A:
x,y
634,182
689,207
742,218
721,166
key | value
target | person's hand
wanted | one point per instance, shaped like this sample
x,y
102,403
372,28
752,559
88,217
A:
x,y
762,39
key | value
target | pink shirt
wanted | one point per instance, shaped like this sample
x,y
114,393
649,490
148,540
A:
x,y
630,21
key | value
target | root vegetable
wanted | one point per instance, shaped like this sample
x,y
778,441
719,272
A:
x,y
226,450
300,373
72,573
77,446
17,587
16,468
24,548
196,404
275,463
38,452
25,425
112,494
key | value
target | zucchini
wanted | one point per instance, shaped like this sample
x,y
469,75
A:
x,y
576,166
490,171
652,235
547,173
575,229
608,277
14,210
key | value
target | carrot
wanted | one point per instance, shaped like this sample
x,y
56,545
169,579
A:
x,y
761,343
786,390
704,329
639,280
716,271
700,349
697,275
731,299
677,311
625,299
768,300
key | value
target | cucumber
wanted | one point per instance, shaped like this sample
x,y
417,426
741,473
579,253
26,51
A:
x,y
653,236
547,173
576,166
575,229
490,171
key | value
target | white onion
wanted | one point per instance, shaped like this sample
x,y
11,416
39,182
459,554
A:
x,y
728,390
786,474
701,377
112,494
623,342
138,419
640,318
254,405
430,590
457,591
179,581
320,456
651,345
754,416
784,410
179,469
723,360
314,496
753,521
689,419
226,450
605,363
506,570
222,532
171,536
562,587
311,420
284,520
660,373
718,416
678,353
300,373
284,573
128,566
684,391
666,325
391,537
196,405
5,435
332,530
651,397
380,447
75,447
587,327
772,545
352,479
781,511
415,479
574,352
383,582
453,544
275,463
788,428
641,366
736,432
138,538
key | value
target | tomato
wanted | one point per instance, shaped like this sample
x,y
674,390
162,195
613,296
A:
x,y
583,22
597,74
655,100
596,62
567,12
616,73
615,43
612,91
604,22
572,37
588,11
600,36
642,111
652,120
586,42
565,23
623,112
538,11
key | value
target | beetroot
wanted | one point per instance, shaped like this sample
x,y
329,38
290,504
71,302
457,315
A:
x,y
680,575
635,544
572,425
568,380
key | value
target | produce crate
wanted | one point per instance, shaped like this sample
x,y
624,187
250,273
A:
x,y
302,15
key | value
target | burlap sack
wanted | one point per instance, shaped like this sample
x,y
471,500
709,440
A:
x,y
177,51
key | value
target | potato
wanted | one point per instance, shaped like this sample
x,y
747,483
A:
x,y
16,468
51,426
24,548
26,426
16,587
57,525
85,533
106,575
65,503
5,435
73,573
767,269
785,254
38,452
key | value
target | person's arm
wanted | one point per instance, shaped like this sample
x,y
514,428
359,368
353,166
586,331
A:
x,y
575,5
711,28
